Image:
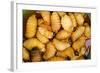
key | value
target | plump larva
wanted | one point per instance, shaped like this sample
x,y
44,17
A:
x,y
66,23
79,31
60,45
88,31
31,27
62,34
79,18
79,43
55,22
50,51
26,56
46,16
61,14
68,52
42,38
45,32
33,42
56,58
73,19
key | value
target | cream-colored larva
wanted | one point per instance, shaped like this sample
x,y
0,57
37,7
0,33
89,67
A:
x,y
66,23
31,27
55,22
33,43
60,45
50,51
